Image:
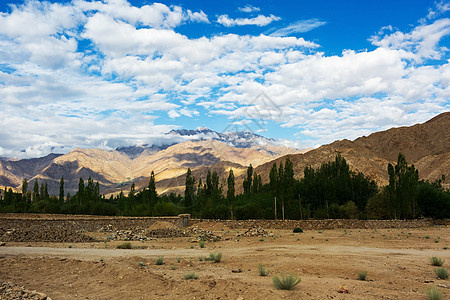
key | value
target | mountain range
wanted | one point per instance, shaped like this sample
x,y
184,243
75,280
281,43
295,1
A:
x,y
117,169
426,145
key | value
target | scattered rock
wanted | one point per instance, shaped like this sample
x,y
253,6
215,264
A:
x,y
203,235
343,290
10,290
165,233
135,234
238,270
255,231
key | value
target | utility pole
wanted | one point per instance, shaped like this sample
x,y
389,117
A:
x,y
300,202
275,207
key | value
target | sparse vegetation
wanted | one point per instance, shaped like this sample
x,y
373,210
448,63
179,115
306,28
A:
x,y
263,271
285,282
215,257
141,264
441,273
436,261
178,259
126,245
434,293
160,260
201,244
298,230
189,276
362,275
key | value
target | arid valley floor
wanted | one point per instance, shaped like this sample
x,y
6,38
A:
x,y
396,261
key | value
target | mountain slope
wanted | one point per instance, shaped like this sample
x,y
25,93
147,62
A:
x,y
426,145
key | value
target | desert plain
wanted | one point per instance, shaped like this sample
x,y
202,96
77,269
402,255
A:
x,y
396,261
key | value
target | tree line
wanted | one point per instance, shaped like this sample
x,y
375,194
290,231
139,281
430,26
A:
x,y
329,191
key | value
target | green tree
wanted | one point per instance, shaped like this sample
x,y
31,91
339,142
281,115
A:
x,y
24,190
230,192
61,191
81,192
247,184
36,191
189,192
402,189
325,189
152,194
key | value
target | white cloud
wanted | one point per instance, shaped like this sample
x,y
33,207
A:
x,y
260,20
439,8
421,43
249,8
299,27
104,74
156,15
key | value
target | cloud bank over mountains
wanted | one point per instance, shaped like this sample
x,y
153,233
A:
x,y
108,74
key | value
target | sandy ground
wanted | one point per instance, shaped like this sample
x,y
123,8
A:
x,y
396,261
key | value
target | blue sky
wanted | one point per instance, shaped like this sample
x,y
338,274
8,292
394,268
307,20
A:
x,y
115,72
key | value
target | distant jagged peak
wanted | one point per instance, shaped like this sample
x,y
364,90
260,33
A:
x,y
239,139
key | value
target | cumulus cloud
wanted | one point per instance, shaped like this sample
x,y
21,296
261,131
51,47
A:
x,y
107,74
260,20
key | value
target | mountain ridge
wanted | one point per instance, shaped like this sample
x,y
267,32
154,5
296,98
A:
x,y
426,145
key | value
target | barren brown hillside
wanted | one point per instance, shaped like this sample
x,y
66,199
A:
x,y
415,142
426,145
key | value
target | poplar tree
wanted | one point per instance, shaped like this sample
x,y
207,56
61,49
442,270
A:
x,y
61,191
230,192
189,192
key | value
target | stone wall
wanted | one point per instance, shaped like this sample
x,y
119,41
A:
x,y
82,223
94,223
323,224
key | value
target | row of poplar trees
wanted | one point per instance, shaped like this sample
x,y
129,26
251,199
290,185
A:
x,y
329,191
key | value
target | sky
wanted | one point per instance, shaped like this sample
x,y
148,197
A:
x,y
104,74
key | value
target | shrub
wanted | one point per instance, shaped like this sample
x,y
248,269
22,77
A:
x,y
141,264
434,294
298,230
362,275
285,282
201,244
436,261
215,257
262,270
124,246
178,259
160,260
190,276
441,273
